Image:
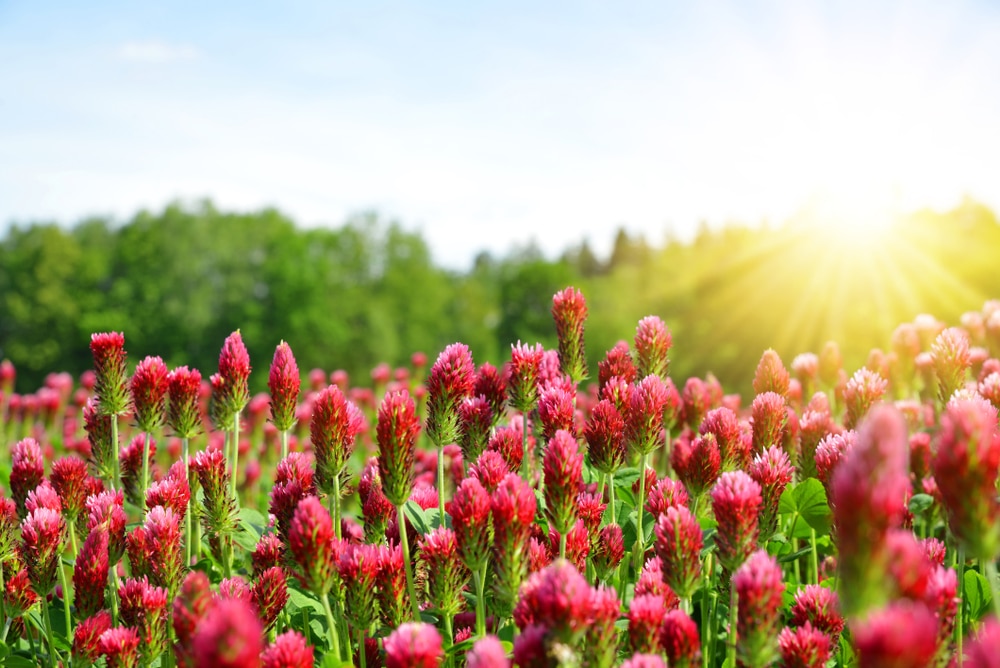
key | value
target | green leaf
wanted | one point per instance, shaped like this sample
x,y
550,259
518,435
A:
x,y
254,520
978,597
418,517
15,661
298,599
625,477
808,501
461,648
919,503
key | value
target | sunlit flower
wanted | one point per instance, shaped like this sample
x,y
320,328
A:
x,y
758,583
569,310
413,645
335,424
284,383
736,501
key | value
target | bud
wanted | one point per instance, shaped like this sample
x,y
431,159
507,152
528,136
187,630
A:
x,y
569,310
149,391
951,357
335,424
759,586
183,416
289,650
652,343
396,431
111,385
450,381
678,545
284,383
736,501
413,645
231,388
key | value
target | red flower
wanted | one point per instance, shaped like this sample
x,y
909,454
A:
x,y
358,567
647,401
605,433
557,596
394,604
678,544
18,595
106,510
645,617
27,468
231,392
492,386
171,492
284,383
898,636
769,418
577,545
590,508
413,645
829,452
608,551
475,419
860,394
470,519
556,410
268,552
507,442
396,431
771,375
270,593
697,463
652,343
736,501
679,640
42,531
69,478
293,482
951,357
220,510
289,650
489,469
487,652
312,546
725,426
98,428
230,636
163,536
617,362
513,505
563,471
446,575
773,471
335,424
43,496
111,385
87,638
183,416
90,574
569,310
640,660
120,646
189,608
450,380
696,401
149,387
759,586
523,382
819,607
601,638
666,493
651,582
130,458
804,647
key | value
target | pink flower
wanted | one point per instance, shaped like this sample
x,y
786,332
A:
x,y
450,380
605,433
358,567
507,442
608,551
446,575
523,383
556,410
149,391
489,469
860,394
679,640
696,401
771,470
470,519
42,531
814,426
645,617
759,586
725,426
804,647
951,357
270,593
558,596
736,501
335,424
697,463
293,482
394,603
120,646
577,545
665,493
171,492
652,343
492,386
771,375
87,638
475,419
144,608
230,636
69,478
111,386
27,468
900,635
600,640
617,362
941,597
284,383
487,652
984,649
43,496
678,545
289,650
183,415
163,536
231,388
106,510
829,452
569,310
413,645
563,471
819,607
644,428
267,553
396,432
90,574
639,660
189,608
769,416
311,546
513,505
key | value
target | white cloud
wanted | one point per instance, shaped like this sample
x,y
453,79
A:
x,y
154,51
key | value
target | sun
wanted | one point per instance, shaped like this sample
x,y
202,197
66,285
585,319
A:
x,y
851,218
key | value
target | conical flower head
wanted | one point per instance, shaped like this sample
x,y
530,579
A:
x,y
507,442
87,638
42,532
90,574
69,478
513,504
600,642
814,426
487,652
144,608
556,410
804,647
293,481
189,608
723,424
446,575
470,519
27,469
120,647
819,607
697,463
679,640
230,636
492,386
396,431
557,596
270,593
220,514
475,420
901,635
393,601
862,391
311,546
98,428
289,650
522,385
43,496
413,645
569,310
618,363
771,375
736,501
605,434
450,381
163,532
577,545
489,469
758,583
171,492
107,510
772,470
18,595
644,427
108,349
335,424
951,357
609,550
678,545
829,453
868,494
358,567
965,468
231,392
563,471
149,387
284,383
769,418
130,462
652,343
9,529
183,416
696,401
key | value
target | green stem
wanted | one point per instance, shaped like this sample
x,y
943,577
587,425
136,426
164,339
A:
x,y
227,555
960,565
334,503
611,497
185,447
441,485
405,544
731,642
65,597
479,577
362,659
284,444
114,452
49,636
813,556
525,460
6,628
638,552
3,589
145,473
449,637
236,453
991,576
331,626
707,612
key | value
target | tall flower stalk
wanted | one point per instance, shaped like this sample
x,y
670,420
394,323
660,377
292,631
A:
x,y
644,433
231,392
183,385
522,390
111,385
334,425
149,391
450,382
284,383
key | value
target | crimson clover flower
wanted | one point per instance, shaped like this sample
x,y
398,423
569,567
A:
x,y
90,574
413,645
149,386
618,363
183,414
652,343
736,501
111,387
229,636
289,650
678,545
396,432
284,383
679,640
758,583
335,424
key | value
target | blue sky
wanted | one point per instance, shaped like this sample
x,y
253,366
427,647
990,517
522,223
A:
x,y
487,124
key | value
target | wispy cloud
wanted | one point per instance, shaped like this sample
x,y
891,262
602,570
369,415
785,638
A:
x,y
157,52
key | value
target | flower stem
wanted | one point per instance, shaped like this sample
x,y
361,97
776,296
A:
x,y
707,612
813,556
525,462
611,497
362,659
405,544
331,626
145,472
236,453
284,444
441,485
49,636
65,597
960,565
185,446
562,545
334,503
114,452
638,552
733,609
479,576
991,575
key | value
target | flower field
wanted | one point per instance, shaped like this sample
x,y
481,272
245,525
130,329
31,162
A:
x,y
539,514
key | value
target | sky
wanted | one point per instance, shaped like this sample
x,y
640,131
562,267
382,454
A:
x,y
488,124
